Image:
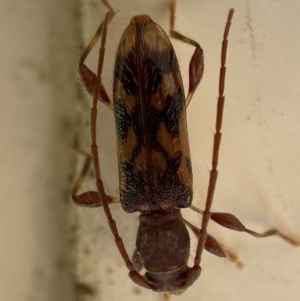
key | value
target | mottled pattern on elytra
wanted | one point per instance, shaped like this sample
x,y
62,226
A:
x,y
154,159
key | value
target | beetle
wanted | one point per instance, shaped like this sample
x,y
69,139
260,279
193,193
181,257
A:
x,y
155,170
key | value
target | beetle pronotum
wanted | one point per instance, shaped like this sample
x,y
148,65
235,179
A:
x,y
155,171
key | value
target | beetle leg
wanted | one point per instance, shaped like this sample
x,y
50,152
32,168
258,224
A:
x,y
137,261
214,247
211,244
196,67
88,77
88,198
106,3
229,221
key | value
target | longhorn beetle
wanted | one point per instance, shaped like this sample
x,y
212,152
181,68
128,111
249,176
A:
x,y
155,170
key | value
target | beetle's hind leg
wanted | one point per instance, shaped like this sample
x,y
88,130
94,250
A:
x,y
107,4
196,67
88,77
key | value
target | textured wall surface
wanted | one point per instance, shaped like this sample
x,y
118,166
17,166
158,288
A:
x,y
39,54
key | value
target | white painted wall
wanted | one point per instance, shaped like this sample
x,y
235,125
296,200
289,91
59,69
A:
x,y
39,53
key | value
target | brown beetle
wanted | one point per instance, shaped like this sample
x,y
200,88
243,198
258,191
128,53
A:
x,y
155,171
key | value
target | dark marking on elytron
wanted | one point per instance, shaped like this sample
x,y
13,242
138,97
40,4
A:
x,y
155,118
145,64
154,65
